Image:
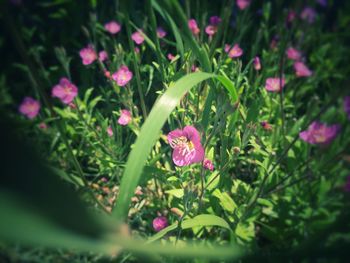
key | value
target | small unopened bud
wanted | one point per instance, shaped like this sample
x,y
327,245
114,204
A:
x,y
236,150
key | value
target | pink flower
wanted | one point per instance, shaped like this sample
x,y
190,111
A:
x,y
192,24
194,68
256,63
322,3
42,126
171,57
211,30
243,4
29,107
125,117
293,54
319,133
112,27
107,74
208,164
187,146
266,126
72,106
138,37
161,32
234,52
301,70
309,14
88,55
347,184
347,106
291,16
110,131
214,20
137,50
274,84
122,76
65,91
102,55
159,223
227,48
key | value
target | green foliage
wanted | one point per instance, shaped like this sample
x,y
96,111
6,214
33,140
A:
x,y
78,185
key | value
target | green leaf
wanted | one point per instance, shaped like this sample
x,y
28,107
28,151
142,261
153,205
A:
x,y
200,220
226,201
178,193
70,178
245,231
228,84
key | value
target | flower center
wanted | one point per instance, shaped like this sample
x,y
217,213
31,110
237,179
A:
x,y
67,90
320,137
186,146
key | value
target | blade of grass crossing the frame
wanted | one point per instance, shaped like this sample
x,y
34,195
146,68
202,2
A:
x,y
149,134
35,229
200,220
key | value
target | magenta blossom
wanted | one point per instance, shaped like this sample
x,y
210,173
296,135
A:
x,y
214,20
234,52
211,30
65,91
319,133
347,106
122,76
187,146
112,27
256,63
274,84
266,126
347,184
243,4
88,55
110,131
161,32
102,55
42,126
208,164
293,54
308,14
29,107
194,68
291,16
192,24
301,70
125,117
159,223
322,3
138,37
171,57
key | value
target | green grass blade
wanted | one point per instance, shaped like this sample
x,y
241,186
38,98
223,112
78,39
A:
x,y
150,133
20,223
